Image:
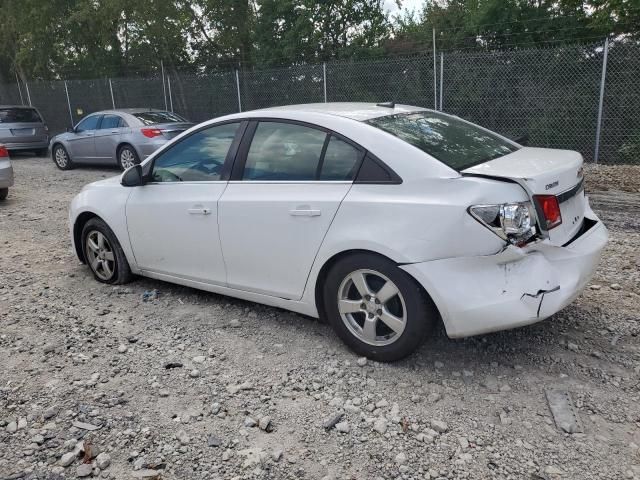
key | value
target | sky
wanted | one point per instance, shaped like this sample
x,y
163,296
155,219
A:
x,y
407,5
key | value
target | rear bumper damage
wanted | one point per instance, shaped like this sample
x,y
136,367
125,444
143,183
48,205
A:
x,y
515,287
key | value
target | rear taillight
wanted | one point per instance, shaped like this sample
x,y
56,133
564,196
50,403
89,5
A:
x,y
4,153
151,132
548,205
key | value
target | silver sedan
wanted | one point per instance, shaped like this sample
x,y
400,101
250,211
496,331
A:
x,y
116,137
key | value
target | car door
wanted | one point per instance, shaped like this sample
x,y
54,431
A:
x,y
286,187
173,218
81,143
107,137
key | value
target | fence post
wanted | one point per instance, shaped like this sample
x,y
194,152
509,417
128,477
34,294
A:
x,y
238,89
19,89
435,74
113,101
170,96
441,75
66,90
164,87
324,77
26,86
601,103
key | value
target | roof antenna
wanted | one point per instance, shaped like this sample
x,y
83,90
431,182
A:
x,y
386,104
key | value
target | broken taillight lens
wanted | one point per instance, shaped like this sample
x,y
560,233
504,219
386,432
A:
x,y
510,221
550,208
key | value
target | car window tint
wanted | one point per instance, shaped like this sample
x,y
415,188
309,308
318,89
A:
x,y
340,160
19,115
454,142
89,123
197,158
284,151
151,118
110,121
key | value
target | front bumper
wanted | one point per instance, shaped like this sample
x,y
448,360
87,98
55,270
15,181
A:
x,y
515,287
6,174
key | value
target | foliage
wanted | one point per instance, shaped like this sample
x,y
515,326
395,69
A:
x,y
49,39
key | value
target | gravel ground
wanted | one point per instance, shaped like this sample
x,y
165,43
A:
x,y
182,384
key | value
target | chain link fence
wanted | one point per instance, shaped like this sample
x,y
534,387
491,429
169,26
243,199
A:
x,y
552,94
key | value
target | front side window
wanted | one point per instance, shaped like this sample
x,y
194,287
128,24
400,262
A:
x,y
153,118
284,151
110,121
19,115
197,158
454,142
89,123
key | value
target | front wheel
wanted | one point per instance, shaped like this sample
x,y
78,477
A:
x,y
3,193
127,157
376,308
61,158
103,253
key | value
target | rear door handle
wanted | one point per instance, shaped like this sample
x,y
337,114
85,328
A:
x,y
305,212
199,211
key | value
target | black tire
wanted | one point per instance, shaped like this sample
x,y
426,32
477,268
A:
x,y
417,308
127,150
61,157
3,193
41,153
121,272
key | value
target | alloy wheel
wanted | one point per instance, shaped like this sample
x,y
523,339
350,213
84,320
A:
x,y
127,158
61,157
100,255
372,307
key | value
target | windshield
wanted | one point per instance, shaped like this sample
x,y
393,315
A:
x,y
454,142
19,115
151,118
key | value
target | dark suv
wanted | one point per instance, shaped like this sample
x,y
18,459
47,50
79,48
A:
x,y
23,128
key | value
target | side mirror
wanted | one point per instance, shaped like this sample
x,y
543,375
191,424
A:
x,y
522,139
132,177
71,130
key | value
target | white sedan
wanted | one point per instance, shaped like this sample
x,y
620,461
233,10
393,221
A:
x,y
382,219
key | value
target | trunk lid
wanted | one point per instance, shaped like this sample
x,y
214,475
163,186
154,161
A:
x,y
171,130
543,171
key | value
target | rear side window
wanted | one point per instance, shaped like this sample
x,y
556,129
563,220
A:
x,y
454,142
19,115
284,151
111,121
341,160
152,118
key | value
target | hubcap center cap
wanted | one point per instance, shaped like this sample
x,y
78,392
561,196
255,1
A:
x,y
370,306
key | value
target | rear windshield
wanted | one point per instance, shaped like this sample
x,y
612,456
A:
x,y
151,118
454,142
19,115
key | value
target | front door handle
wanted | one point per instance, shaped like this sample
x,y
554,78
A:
x,y
199,211
305,212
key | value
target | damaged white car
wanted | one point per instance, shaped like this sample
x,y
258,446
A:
x,y
382,219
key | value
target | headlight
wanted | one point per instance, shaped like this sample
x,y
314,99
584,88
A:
x,y
510,221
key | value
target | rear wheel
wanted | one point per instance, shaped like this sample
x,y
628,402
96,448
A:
x,y
127,157
103,253
61,158
376,308
3,193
